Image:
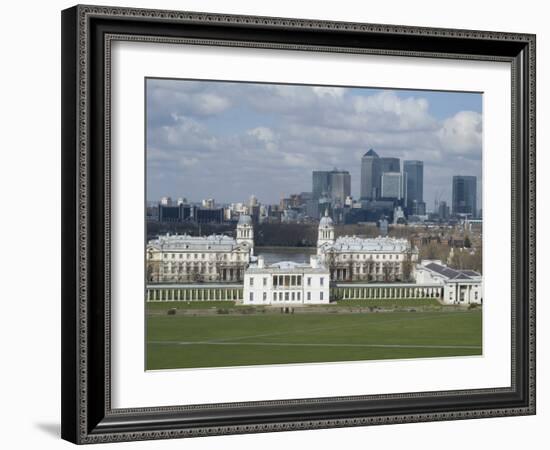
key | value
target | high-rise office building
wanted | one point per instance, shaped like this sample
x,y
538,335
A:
x,y
465,195
340,186
414,171
443,210
320,187
334,185
371,169
393,185
390,164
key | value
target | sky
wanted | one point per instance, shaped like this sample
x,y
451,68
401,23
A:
x,y
231,140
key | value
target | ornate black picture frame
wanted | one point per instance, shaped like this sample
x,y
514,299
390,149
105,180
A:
x,y
87,34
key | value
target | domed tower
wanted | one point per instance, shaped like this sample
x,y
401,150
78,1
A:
x,y
245,231
326,231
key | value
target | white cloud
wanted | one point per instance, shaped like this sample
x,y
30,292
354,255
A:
x,y
462,133
280,133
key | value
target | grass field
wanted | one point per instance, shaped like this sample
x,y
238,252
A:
x,y
163,306
181,341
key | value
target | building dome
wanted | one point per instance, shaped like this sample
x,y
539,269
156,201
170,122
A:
x,y
244,219
326,221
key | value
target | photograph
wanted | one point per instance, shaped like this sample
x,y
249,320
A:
x,y
279,222
299,224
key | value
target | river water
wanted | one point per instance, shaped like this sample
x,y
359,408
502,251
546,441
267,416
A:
x,y
296,254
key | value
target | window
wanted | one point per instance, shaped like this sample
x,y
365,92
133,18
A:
x,y
265,281
298,296
166,255
181,255
274,296
293,296
252,296
321,296
299,280
251,281
265,296
322,281
280,296
309,295
309,281
286,296
173,255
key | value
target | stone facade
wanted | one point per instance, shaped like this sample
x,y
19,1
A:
x,y
286,283
189,259
459,286
352,258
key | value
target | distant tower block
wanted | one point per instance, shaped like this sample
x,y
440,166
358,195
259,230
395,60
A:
x,y
245,231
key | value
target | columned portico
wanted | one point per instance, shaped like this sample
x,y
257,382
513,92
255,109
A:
x,y
390,291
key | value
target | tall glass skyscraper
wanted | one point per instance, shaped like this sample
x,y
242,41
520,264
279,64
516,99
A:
x,y
394,185
414,171
390,164
333,185
340,186
465,195
371,171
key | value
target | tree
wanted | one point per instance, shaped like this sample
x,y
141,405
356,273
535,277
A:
x,y
433,250
195,274
407,265
330,261
149,271
477,260
386,271
369,270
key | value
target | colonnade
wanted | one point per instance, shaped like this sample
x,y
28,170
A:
x,y
393,292
159,294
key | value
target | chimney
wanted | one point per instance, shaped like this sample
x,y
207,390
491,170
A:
x,y
313,262
261,263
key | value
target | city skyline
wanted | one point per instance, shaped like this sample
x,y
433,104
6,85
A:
x,y
266,139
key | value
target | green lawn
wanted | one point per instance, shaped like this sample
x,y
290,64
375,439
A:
x,y
233,340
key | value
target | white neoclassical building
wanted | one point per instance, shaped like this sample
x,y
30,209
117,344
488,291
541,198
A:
x,y
286,283
459,286
352,258
184,258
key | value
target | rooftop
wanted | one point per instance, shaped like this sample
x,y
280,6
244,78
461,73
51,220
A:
x,y
452,274
379,244
216,242
287,267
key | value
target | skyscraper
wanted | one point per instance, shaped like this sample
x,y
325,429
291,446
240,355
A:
x,y
371,169
465,195
393,185
414,171
390,164
329,186
339,185
320,183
